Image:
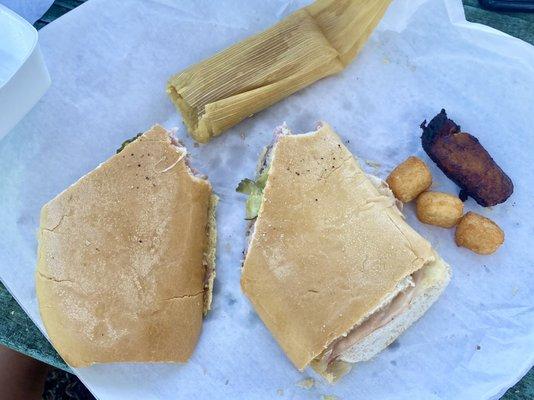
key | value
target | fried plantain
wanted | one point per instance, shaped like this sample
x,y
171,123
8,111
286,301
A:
x,y
465,161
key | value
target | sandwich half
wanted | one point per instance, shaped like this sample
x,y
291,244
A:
x,y
332,268
126,257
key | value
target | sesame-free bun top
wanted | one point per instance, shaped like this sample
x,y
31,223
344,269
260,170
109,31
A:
x,y
327,246
121,269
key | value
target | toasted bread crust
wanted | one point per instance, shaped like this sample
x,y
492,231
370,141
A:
x,y
120,274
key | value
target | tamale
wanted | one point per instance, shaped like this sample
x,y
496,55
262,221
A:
x,y
310,44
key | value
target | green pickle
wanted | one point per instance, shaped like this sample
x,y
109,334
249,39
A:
x,y
254,190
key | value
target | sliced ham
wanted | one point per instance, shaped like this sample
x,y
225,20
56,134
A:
x,y
385,315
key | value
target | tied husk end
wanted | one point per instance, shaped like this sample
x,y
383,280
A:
x,y
189,114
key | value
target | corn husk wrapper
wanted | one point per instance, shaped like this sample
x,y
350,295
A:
x,y
314,42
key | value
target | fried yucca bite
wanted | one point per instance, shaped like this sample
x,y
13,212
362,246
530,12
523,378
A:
x,y
440,209
409,179
479,234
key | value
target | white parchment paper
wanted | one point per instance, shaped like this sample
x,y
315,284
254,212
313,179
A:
x,y
109,62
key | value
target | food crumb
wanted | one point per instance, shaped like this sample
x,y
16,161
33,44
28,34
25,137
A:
x,y
307,383
280,392
329,397
373,164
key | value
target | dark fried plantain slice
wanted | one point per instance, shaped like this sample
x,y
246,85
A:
x,y
465,161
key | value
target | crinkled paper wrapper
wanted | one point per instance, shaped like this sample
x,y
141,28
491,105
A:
x,y
110,62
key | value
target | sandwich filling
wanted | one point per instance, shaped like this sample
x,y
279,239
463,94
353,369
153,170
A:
x,y
335,360
396,303
254,188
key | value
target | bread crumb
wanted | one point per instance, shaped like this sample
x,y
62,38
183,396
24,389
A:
x,y
280,392
307,383
329,397
373,164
